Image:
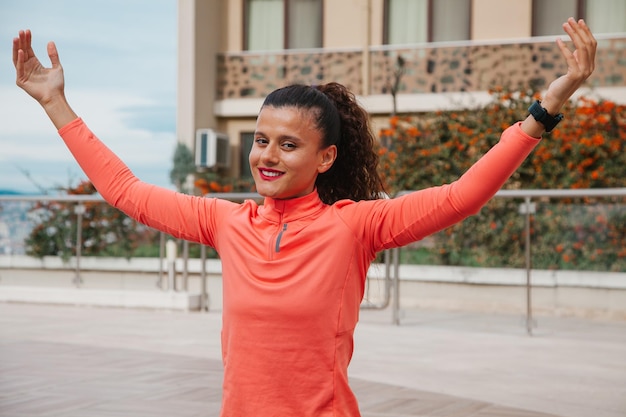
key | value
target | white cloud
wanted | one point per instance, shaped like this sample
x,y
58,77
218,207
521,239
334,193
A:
x,y
30,138
120,69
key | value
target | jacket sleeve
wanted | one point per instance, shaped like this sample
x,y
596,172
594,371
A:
x,y
183,216
397,222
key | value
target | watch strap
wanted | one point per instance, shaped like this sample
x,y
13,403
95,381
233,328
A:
x,y
542,116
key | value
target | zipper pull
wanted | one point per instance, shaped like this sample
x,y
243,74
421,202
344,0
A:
x,y
280,235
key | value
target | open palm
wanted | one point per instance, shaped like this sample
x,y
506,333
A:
x,y
580,62
39,82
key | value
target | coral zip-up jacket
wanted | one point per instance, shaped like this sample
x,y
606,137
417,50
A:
x,y
294,270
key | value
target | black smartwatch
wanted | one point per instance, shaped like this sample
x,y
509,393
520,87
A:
x,y
542,116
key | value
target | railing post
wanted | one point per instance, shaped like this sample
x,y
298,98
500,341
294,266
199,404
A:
x,y
528,209
79,210
161,257
396,286
170,254
185,264
204,305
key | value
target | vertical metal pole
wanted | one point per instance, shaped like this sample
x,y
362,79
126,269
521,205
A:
x,y
529,313
204,305
396,286
185,264
161,257
171,255
79,209
387,277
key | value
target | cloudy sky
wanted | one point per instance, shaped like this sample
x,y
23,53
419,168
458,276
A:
x,y
119,59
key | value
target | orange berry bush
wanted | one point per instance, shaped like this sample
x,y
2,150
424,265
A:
x,y
585,151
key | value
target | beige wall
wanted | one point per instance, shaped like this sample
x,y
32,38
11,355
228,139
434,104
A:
x,y
200,22
345,23
501,19
185,68
376,21
234,25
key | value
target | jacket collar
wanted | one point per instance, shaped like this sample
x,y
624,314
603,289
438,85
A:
x,y
289,210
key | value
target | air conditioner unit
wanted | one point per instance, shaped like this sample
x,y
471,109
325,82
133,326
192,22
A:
x,y
212,149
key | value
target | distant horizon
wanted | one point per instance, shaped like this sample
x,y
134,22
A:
x,y
6,191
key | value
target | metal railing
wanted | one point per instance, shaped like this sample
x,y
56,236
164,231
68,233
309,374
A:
x,y
391,279
527,209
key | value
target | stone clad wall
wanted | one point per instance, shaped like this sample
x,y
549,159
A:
x,y
255,76
428,69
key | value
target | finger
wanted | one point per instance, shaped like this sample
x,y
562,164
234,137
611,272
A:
x,y
16,47
28,47
22,41
592,42
580,34
53,55
584,43
571,28
19,66
570,58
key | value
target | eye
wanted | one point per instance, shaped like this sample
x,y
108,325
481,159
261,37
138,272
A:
x,y
289,146
260,141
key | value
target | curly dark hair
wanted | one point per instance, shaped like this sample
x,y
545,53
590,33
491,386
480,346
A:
x,y
344,123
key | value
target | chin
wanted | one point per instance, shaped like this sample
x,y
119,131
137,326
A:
x,y
267,193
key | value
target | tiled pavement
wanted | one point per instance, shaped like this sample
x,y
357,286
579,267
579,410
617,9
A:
x,y
90,362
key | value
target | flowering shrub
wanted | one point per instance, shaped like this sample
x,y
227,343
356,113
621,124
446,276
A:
x,y
213,183
106,231
585,151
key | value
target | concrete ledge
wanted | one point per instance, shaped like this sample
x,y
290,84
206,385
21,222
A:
x,y
133,284
423,273
506,276
96,263
101,297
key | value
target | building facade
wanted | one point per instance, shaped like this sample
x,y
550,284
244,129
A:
x,y
234,52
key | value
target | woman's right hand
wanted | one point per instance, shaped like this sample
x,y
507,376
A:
x,y
46,85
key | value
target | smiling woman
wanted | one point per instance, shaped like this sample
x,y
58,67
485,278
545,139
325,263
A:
x,y
287,154
294,268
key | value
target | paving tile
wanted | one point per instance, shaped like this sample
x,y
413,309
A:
x,y
52,365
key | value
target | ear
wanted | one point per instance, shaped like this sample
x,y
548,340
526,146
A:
x,y
328,157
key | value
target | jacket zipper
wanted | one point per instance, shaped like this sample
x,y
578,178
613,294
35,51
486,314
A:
x,y
279,237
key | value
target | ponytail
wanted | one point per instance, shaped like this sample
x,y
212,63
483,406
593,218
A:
x,y
344,123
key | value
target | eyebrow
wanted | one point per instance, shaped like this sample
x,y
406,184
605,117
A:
x,y
281,137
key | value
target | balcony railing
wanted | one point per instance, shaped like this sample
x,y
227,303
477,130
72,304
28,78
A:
x,y
428,68
14,226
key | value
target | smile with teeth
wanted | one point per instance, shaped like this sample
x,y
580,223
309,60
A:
x,y
270,174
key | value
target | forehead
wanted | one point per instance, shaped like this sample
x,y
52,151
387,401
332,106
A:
x,y
287,117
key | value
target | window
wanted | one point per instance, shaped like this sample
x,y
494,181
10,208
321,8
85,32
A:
x,y
548,16
282,24
606,16
407,21
247,140
416,21
602,16
450,20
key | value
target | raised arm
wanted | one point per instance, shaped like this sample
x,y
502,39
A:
x,y
180,215
580,65
46,85
421,213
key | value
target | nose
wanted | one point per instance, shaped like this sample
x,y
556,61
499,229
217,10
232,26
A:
x,y
269,155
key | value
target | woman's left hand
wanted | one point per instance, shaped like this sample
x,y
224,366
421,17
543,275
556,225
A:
x,y
580,65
